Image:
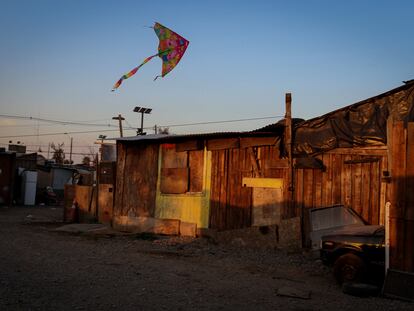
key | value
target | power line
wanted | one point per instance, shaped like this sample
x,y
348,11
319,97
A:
x,y
46,146
171,125
223,121
55,121
61,133
73,153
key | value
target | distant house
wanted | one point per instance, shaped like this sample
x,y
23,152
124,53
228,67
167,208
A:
x,y
228,181
55,176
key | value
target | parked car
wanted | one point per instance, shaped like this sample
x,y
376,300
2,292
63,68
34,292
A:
x,y
356,253
328,219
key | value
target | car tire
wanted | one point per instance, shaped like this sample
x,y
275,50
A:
x,y
349,268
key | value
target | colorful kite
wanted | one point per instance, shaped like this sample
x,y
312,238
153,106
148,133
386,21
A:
x,y
170,49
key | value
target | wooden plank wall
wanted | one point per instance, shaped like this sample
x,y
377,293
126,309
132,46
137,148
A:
x,y
230,203
344,181
352,177
347,180
136,180
401,197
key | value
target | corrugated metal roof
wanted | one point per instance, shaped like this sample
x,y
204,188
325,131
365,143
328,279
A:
x,y
168,137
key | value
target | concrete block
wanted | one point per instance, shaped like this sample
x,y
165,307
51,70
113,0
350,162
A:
x,y
188,229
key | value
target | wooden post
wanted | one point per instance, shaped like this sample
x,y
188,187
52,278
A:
x,y
288,144
398,151
409,207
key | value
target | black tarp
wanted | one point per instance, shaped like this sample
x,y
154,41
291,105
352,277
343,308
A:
x,y
360,124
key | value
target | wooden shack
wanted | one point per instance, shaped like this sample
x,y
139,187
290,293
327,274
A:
x,y
236,180
197,179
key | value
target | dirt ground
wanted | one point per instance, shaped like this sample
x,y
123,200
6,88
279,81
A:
x,y
42,269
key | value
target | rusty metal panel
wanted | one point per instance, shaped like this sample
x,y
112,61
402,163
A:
x,y
174,180
173,159
196,164
105,203
85,198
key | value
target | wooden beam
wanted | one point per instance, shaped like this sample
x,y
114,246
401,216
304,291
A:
x,y
288,144
373,151
263,182
255,162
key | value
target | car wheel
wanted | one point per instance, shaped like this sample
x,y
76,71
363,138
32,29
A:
x,y
349,268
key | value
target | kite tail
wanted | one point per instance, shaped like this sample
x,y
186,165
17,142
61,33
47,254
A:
x,y
131,73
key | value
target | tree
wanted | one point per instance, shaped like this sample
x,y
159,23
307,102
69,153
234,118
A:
x,y
164,130
58,153
86,160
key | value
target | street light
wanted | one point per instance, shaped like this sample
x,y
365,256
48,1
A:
x,y
142,110
102,137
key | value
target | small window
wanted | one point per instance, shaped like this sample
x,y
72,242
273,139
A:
x,y
181,172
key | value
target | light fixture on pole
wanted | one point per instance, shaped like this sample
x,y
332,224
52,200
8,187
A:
x,y
142,110
102,137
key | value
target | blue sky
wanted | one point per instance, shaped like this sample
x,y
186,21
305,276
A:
x,y
59,60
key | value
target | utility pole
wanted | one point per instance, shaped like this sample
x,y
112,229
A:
x,y
48,151
119,118
70,155
101,137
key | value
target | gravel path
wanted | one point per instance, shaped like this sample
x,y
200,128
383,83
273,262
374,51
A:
x,y
42,269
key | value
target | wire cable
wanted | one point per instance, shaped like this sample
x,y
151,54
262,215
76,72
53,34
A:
x,y
132,128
